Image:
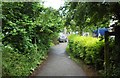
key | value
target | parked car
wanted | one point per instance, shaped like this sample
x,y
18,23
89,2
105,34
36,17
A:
x,y
62,38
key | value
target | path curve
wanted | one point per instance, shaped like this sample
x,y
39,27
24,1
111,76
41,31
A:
x,y
59,64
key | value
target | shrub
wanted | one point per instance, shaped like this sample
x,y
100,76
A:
x,y
91,51
27,37
88,49
17,64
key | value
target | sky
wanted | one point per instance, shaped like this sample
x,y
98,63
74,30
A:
x,y
53,3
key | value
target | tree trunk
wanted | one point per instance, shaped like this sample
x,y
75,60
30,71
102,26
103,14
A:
x,y
117,35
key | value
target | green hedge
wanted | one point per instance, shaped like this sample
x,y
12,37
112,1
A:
x,y
89,49
28,30
17,64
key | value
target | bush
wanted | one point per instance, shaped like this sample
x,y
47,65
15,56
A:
x,y
17,64
91,51
88,49
27,35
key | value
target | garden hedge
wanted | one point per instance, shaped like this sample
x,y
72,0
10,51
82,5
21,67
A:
x,y
89,49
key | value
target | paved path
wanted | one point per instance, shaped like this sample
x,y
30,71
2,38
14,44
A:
x,y
59,64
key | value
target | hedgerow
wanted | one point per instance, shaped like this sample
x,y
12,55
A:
x,y
28,31
89,49
17,64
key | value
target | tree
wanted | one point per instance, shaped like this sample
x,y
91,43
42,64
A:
x,y
27,23
90,14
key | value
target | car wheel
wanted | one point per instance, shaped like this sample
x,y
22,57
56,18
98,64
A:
x,y
65,40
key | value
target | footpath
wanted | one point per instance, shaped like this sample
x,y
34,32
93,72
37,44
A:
x,y
59,64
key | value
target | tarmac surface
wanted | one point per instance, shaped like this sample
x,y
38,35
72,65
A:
x,y
59,64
